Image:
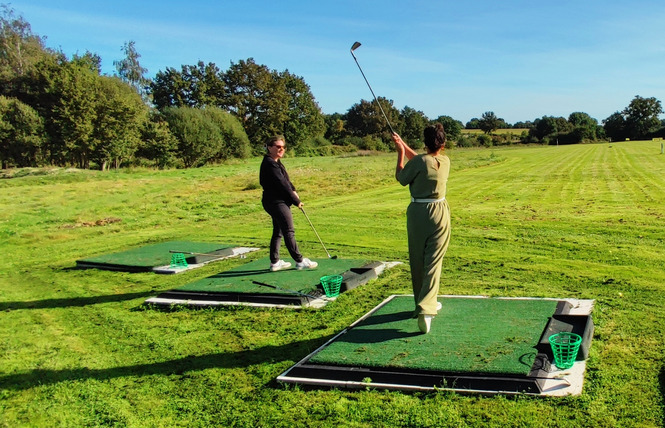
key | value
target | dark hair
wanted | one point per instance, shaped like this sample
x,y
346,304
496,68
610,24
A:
x,y
435,137
275,138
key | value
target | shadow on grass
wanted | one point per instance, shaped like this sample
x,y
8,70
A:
x,y
238,273
378,335
387,318
73,301
268,354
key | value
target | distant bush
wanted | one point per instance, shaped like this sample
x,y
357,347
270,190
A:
x,y
21,134
484,140
206,135
158,146
235,143
199,138
466,141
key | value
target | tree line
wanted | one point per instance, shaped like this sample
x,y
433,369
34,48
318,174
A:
x,y
62,111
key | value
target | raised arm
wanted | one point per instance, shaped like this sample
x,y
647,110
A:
x,y
408,151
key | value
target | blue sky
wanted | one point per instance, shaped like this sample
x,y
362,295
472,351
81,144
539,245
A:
x,y
520,59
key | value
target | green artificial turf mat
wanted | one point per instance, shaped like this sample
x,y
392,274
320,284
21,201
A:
x,y
478,335
239,279
153,255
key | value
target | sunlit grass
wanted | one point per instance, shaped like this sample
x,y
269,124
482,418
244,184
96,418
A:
x,y
78,348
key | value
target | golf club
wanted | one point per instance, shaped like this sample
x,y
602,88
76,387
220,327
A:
x,y
355,46
197,254
263,284
317,235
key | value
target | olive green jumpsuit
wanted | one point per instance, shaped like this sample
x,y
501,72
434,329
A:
x,y
428,226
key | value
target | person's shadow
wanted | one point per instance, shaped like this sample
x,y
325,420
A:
x,y
363,333
71,302
293,351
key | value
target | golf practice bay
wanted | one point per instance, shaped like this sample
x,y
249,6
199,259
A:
x,y
582,223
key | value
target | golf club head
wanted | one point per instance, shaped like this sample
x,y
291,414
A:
x,y
334,257
355,46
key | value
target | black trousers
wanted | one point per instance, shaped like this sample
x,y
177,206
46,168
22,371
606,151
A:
x,y
282,226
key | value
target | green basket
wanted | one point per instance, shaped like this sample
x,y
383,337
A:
x,y
564,347
178,261
331,285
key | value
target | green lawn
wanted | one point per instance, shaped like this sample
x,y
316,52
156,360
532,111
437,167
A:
x,y
78,348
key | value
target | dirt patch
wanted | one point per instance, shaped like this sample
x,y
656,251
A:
x,y
100,222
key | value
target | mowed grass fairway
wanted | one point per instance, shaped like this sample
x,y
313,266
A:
x,y
79,348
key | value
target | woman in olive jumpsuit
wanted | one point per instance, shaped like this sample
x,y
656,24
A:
x,y
427,217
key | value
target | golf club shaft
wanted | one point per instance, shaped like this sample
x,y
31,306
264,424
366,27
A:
x,y
195,254
356,45
263,284
317,235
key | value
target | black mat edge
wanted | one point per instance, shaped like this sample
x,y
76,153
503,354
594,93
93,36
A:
x,y
352,278
361,377
357,377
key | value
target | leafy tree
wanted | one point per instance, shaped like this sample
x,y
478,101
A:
x,y
452,127
265,101
235,143
257,97
130,70
615,127
638,120
549,128
20,49
206,87
21,134
119,118
335,127
197,85
519,125
157,143
88,117
170,89
413,123
365,119
642,117
88,60
584,127
473,124
199,138
73,116
305,121
489,122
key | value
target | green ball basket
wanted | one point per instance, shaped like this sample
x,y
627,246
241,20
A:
x,y
331,285
178,261
565,347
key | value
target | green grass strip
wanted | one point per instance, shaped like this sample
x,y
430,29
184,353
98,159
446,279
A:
x,y
475,335
154,255
239,279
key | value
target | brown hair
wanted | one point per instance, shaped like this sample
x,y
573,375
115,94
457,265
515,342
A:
x,y
435,137
275,138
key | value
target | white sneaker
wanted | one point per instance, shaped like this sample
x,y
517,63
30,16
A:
x,y
425,322
438,306
306,264
280,265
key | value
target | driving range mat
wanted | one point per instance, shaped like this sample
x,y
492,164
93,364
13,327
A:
x,y
476,344
254,284
165,257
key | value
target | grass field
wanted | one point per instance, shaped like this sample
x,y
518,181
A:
x,y
79,348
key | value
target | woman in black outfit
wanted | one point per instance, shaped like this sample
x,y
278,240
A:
x,y
278,196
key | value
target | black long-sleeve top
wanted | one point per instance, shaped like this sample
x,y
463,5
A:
x,y
277,186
